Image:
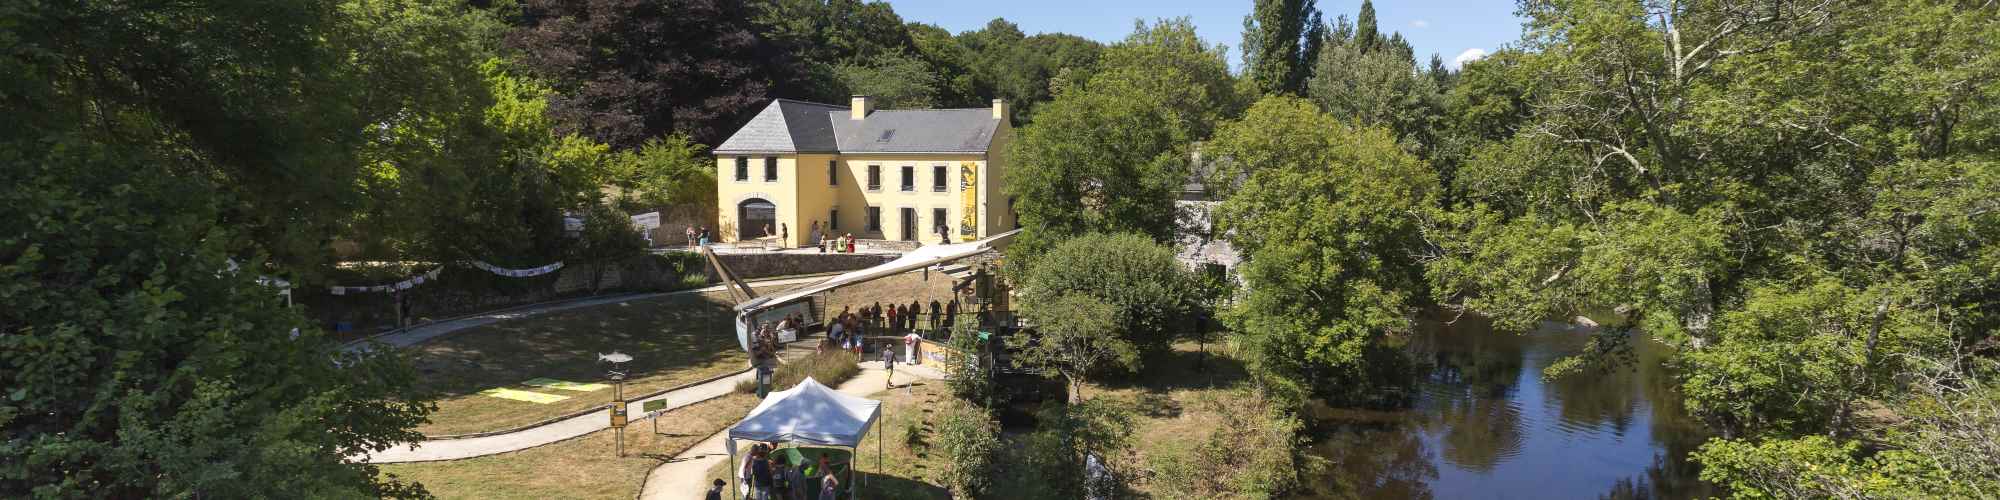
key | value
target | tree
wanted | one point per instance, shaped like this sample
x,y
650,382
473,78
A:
x,y
664,171
1077,450
1281,42
1111,155
1024,70
628,70
1327,217
1071,339
1366,38
1783,191
1151,294
608,237
899,81
149,148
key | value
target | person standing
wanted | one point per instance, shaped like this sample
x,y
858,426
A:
x,y
894,321
937,314
829,488
916,311
784,236
760,476
715,493
889,363
690,236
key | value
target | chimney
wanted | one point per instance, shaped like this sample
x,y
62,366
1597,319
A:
x,y
1000,109
859,107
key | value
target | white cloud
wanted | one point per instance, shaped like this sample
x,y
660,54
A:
x,y
1472,54
1420,24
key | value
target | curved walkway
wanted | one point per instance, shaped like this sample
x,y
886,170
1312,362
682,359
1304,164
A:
x,y
685,476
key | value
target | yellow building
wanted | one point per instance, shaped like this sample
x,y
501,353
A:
x,y
922,175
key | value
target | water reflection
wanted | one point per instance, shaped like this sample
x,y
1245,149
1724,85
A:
x,y
1485,425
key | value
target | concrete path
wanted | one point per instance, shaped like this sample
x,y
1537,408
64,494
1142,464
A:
x,y
686,475
417,335
452,449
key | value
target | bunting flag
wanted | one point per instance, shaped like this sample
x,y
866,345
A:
x,y
400,285
517,273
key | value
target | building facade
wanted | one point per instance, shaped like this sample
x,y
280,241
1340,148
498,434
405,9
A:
x,y
926,175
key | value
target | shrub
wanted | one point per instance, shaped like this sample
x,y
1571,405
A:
x,y
1150,293
970,441
971,376
830,368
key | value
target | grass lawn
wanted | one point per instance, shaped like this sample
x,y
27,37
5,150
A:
x,y
673,340
1177,403
911,473
582,468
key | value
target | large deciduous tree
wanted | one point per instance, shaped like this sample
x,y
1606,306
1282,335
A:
x,y
1327,216
1111,154
154,155
628,70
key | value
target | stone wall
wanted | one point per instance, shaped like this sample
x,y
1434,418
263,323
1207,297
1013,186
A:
x,y
762,265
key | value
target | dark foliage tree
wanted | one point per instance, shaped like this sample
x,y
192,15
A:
x,y
628,70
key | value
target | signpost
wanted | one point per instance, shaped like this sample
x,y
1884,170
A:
x,y
653,410
617,405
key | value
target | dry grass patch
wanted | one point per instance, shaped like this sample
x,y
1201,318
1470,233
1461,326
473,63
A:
x,y
673,340
581,468
898,289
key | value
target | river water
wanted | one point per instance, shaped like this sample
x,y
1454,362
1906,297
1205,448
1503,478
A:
x,y
1484,424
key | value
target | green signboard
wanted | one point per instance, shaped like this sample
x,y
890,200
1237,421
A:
x,y
653,406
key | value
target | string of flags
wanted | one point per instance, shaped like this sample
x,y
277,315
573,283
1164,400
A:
x,y
400,285
517,273
433,275
284,287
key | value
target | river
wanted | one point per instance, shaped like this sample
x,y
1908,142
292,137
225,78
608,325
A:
x,y
1485,425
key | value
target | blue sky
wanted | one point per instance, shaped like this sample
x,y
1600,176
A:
x,y
1448,28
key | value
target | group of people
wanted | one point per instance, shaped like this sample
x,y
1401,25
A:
x,y
697,236
770,475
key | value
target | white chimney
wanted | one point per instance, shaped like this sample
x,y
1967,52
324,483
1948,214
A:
x,y
859,107
999,109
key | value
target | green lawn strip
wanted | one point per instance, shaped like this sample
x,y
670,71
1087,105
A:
x,y
581,468
673,340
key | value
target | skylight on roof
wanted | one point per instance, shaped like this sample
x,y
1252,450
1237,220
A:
x,y
886,135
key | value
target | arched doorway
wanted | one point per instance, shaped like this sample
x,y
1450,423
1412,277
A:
x,y
752,216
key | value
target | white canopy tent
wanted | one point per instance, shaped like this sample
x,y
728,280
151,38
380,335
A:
x,y
918,259
810,414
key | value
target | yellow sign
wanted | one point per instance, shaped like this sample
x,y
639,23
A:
x,y
617,413
517,395
549,383
968,188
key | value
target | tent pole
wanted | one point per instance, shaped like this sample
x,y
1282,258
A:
x,y
733,470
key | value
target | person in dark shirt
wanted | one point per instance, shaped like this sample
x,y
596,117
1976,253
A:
x,y
715,492
760,477
937,313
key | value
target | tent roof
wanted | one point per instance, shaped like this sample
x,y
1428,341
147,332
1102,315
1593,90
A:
x,y
809,413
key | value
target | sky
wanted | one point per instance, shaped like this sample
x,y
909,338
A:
x,y
1452,29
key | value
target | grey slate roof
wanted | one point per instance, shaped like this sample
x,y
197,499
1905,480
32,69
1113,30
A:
x,y
788,126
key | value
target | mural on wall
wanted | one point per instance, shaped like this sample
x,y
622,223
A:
x,y
968,188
